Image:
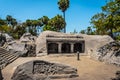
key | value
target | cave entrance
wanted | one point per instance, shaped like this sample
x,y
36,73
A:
x,y
66,48
52,48
78,47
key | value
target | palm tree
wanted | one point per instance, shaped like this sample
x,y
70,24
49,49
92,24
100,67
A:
x,y
63,5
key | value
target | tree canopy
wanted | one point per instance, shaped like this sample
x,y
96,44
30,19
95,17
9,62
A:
x,y
107,21
16,29
56,23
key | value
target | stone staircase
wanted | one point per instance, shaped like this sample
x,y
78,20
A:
x,y
6,58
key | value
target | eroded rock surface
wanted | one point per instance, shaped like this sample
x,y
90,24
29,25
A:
x,y
4,37
43,70
28,38
109,53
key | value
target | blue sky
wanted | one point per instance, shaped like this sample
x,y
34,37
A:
x,y
78,14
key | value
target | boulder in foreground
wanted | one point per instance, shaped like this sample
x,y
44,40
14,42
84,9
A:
x,y
43,70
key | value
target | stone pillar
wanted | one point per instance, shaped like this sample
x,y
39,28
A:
x,y
72,47
59,47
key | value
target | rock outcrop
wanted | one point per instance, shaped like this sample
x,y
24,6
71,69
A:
x,y
28,38
92,42
18,47
43,70
31,50
4,37
109,53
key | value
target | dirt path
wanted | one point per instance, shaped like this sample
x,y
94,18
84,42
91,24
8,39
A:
x,y
87,69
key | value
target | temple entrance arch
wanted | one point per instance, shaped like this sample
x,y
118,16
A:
x,y
66,48
78,47
52,48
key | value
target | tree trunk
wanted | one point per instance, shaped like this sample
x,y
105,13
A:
x,y
65,21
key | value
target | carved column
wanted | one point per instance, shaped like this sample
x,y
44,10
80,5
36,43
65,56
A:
x,y
72,47
59,47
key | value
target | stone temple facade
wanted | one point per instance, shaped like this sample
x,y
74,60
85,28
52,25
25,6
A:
x,y
50,42
65,44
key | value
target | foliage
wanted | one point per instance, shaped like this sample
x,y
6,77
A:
x,y
16,29
31,26
63,5
56,23
82,31
2,22
108,21
88,31
5,28
44,20
48,27
11,21
19,31
117,38
98,23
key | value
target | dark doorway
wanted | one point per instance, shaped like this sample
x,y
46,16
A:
x,y
52,48
78,47
66,48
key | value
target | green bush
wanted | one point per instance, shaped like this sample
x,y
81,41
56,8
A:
x,y
117,38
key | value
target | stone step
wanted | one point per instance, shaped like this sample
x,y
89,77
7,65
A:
x,y
6,57
12,59
3,51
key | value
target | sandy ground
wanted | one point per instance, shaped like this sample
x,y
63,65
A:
x,y
88,69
